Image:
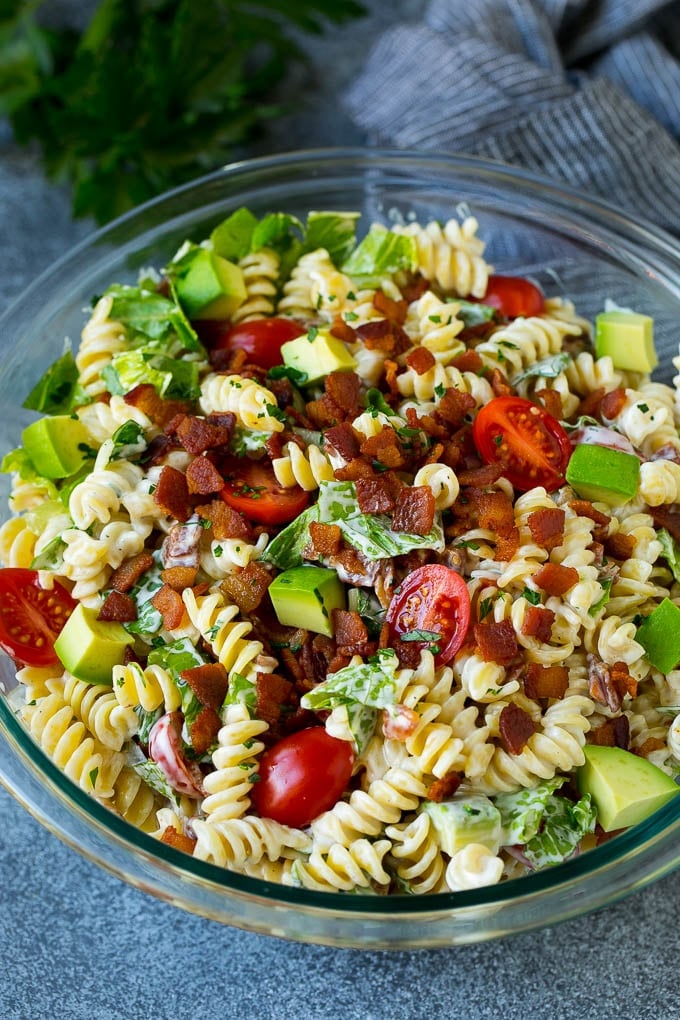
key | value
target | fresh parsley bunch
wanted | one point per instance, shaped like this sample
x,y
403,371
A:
x,y
152,93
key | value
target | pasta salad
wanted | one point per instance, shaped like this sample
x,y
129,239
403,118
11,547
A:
x,y
352,565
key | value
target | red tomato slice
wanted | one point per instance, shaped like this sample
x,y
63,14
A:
x,y
261,339
302,776
531,445
251,488
513,296
31,617
433,599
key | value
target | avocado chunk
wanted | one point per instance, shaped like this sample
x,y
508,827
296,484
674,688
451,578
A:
x,y
56,446
306,597
463,820
625,788
628,339
598,473
317,354
90,648
659,635
211,287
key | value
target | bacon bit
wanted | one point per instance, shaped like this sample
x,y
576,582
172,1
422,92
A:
x,y
622,680
668,519
343,390
394,310
620,546
555,579
399,722
551,401
391,369
516,726
379,335
160,411
350,632
495,512
591,405
600,685
421,360
612,404
118,608
274,445
130,571
350,560
414,510
273,692
203,477
374,495
227,361
545,681
204,729
584,508
408,653
172,494
453,407
343,331
538,623
157,449
500,385
225,521
197,435
291,664
650,745
497,641
129,655
208,682
357,468
179,578
169,604
339,661
435,453
326,538
171,837
612,733
507,546
468,361
547,527
384,447
482,476
415,288
324,412
443,789
342,440
248,587
316,654
426,423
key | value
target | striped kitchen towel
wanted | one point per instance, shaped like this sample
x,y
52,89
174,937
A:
x,y
584,91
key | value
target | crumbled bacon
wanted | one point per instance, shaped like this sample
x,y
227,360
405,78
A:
x,y
315,656
169,604
160,411
172,494
247,588
130,571
414,510
204,729
668,519
545,681
516,726
650,745
326,538
612,733
179,578
342,440
507,545
343,390
497,641
443,789
538,623
391,369
495,511
612,404
584,508
273,692
600,684
350,632
158,449
225,521
555,579
383,335
375,495
180,546
356,468
197,435
118,607
591,405
481,476
399,722
415,288
171,837
499,384
620,546
208,682
551,401
391,309
420,360
547,527
203,478
453,407
324,412
408,653
384,448
622,680
468,361
343,331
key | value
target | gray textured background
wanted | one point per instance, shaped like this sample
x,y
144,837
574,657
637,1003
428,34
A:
x,y
76,943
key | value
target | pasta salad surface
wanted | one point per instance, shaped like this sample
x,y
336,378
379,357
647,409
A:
x,y
352,566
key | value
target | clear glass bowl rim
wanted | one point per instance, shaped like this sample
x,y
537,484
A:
x,y
649,845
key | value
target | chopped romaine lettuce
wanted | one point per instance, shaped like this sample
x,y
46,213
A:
x,y
372,683
606,585
231,238
381,253
241,691
149,315
154,776
286,549
564,826
51,557
177,656
670,550
472,313
547,368
147,721
366,604
18,462
127,441
173,378
522,812
149,621
245,441
337,501
242,233
53,393
334,231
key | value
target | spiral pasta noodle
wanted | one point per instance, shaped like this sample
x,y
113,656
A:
x,y
101,338
260,275
418,860
305,468
217,624
342,867
450,256
235,761
239,842
150,687
248,400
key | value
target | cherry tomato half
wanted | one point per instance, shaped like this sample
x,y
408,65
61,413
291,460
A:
x,y
513,296
261,339
434,599
251,488
31,617
531,445
301,776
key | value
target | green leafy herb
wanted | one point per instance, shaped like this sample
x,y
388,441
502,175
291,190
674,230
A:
x,y
51,557
128,441
534,597
421,635
53,393
296,376
375,402
485,607
548,368
473,314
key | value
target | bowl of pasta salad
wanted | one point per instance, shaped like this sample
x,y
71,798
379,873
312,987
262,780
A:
x,y
339,593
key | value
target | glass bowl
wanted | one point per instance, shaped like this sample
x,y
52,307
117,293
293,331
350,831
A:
x,y
585,249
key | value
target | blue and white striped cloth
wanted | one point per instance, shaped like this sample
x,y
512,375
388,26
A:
x,y
585,91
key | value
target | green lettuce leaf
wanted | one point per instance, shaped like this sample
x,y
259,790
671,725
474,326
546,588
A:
x,y
547,368
172,378
606,585
522,812
381,253
128,441
670,549
286,549
472,313
148,314
564,826
177,656
232,237
153,776
54,391
373,684
241,691
334,231
149,621
147,721
51,557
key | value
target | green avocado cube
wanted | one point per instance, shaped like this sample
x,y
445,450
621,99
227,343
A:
x,y
625,787
659,635
628,339
211,287
89,648
598,473
463,820
306,597
317,354
56,446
